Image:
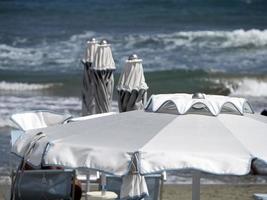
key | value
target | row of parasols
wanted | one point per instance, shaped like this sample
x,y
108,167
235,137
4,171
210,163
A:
x,y
98,81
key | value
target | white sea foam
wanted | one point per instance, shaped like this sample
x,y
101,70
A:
x,y
237,50
253,89
210,39
248,87
241,38
15,86
70,50
26,55
168,50
61,54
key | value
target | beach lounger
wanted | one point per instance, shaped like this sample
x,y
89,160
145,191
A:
x,y
87,178
154,183
99,195
43,185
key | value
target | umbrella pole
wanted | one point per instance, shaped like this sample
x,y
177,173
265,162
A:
x,y
103,184
163,178
87,184
196,185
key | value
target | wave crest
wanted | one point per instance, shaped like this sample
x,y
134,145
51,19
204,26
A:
x,y
237,50
15,86
249,87
210,39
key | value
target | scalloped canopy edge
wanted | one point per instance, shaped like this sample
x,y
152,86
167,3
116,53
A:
x,y
181,103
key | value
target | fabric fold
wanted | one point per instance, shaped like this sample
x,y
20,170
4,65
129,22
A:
x,y
132,88
98,80
133,187
88,100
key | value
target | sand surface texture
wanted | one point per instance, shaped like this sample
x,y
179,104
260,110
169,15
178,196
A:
x,y
208,192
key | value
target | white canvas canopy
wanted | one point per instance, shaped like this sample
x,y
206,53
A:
x,y
88,100
132,87
211,135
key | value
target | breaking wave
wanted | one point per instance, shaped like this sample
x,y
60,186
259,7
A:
x,y
254,89
47,56
237,50
210,39
14,86
247,87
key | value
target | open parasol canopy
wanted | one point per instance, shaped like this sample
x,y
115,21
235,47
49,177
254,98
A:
x,y
210,133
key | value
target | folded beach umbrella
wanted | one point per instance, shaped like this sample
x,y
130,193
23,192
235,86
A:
x,y
90,50
215,134
88,97
102,76
132,88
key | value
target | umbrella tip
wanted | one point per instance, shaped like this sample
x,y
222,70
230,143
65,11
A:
x,y
103,42
92,40
198,96
133,57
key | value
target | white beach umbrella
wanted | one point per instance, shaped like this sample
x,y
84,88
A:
x,y
88,100
132,87
102,76
214,134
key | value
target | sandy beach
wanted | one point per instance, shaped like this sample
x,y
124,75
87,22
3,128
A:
x,y
214,192
208,192
4,192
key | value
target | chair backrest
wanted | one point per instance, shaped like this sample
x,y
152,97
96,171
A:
x,y
44,184
38,119
153,182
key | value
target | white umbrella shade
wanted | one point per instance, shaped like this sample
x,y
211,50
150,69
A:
x,y
132,87
88,100
220,144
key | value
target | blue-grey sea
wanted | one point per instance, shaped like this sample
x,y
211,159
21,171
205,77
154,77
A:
x,y
211,46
